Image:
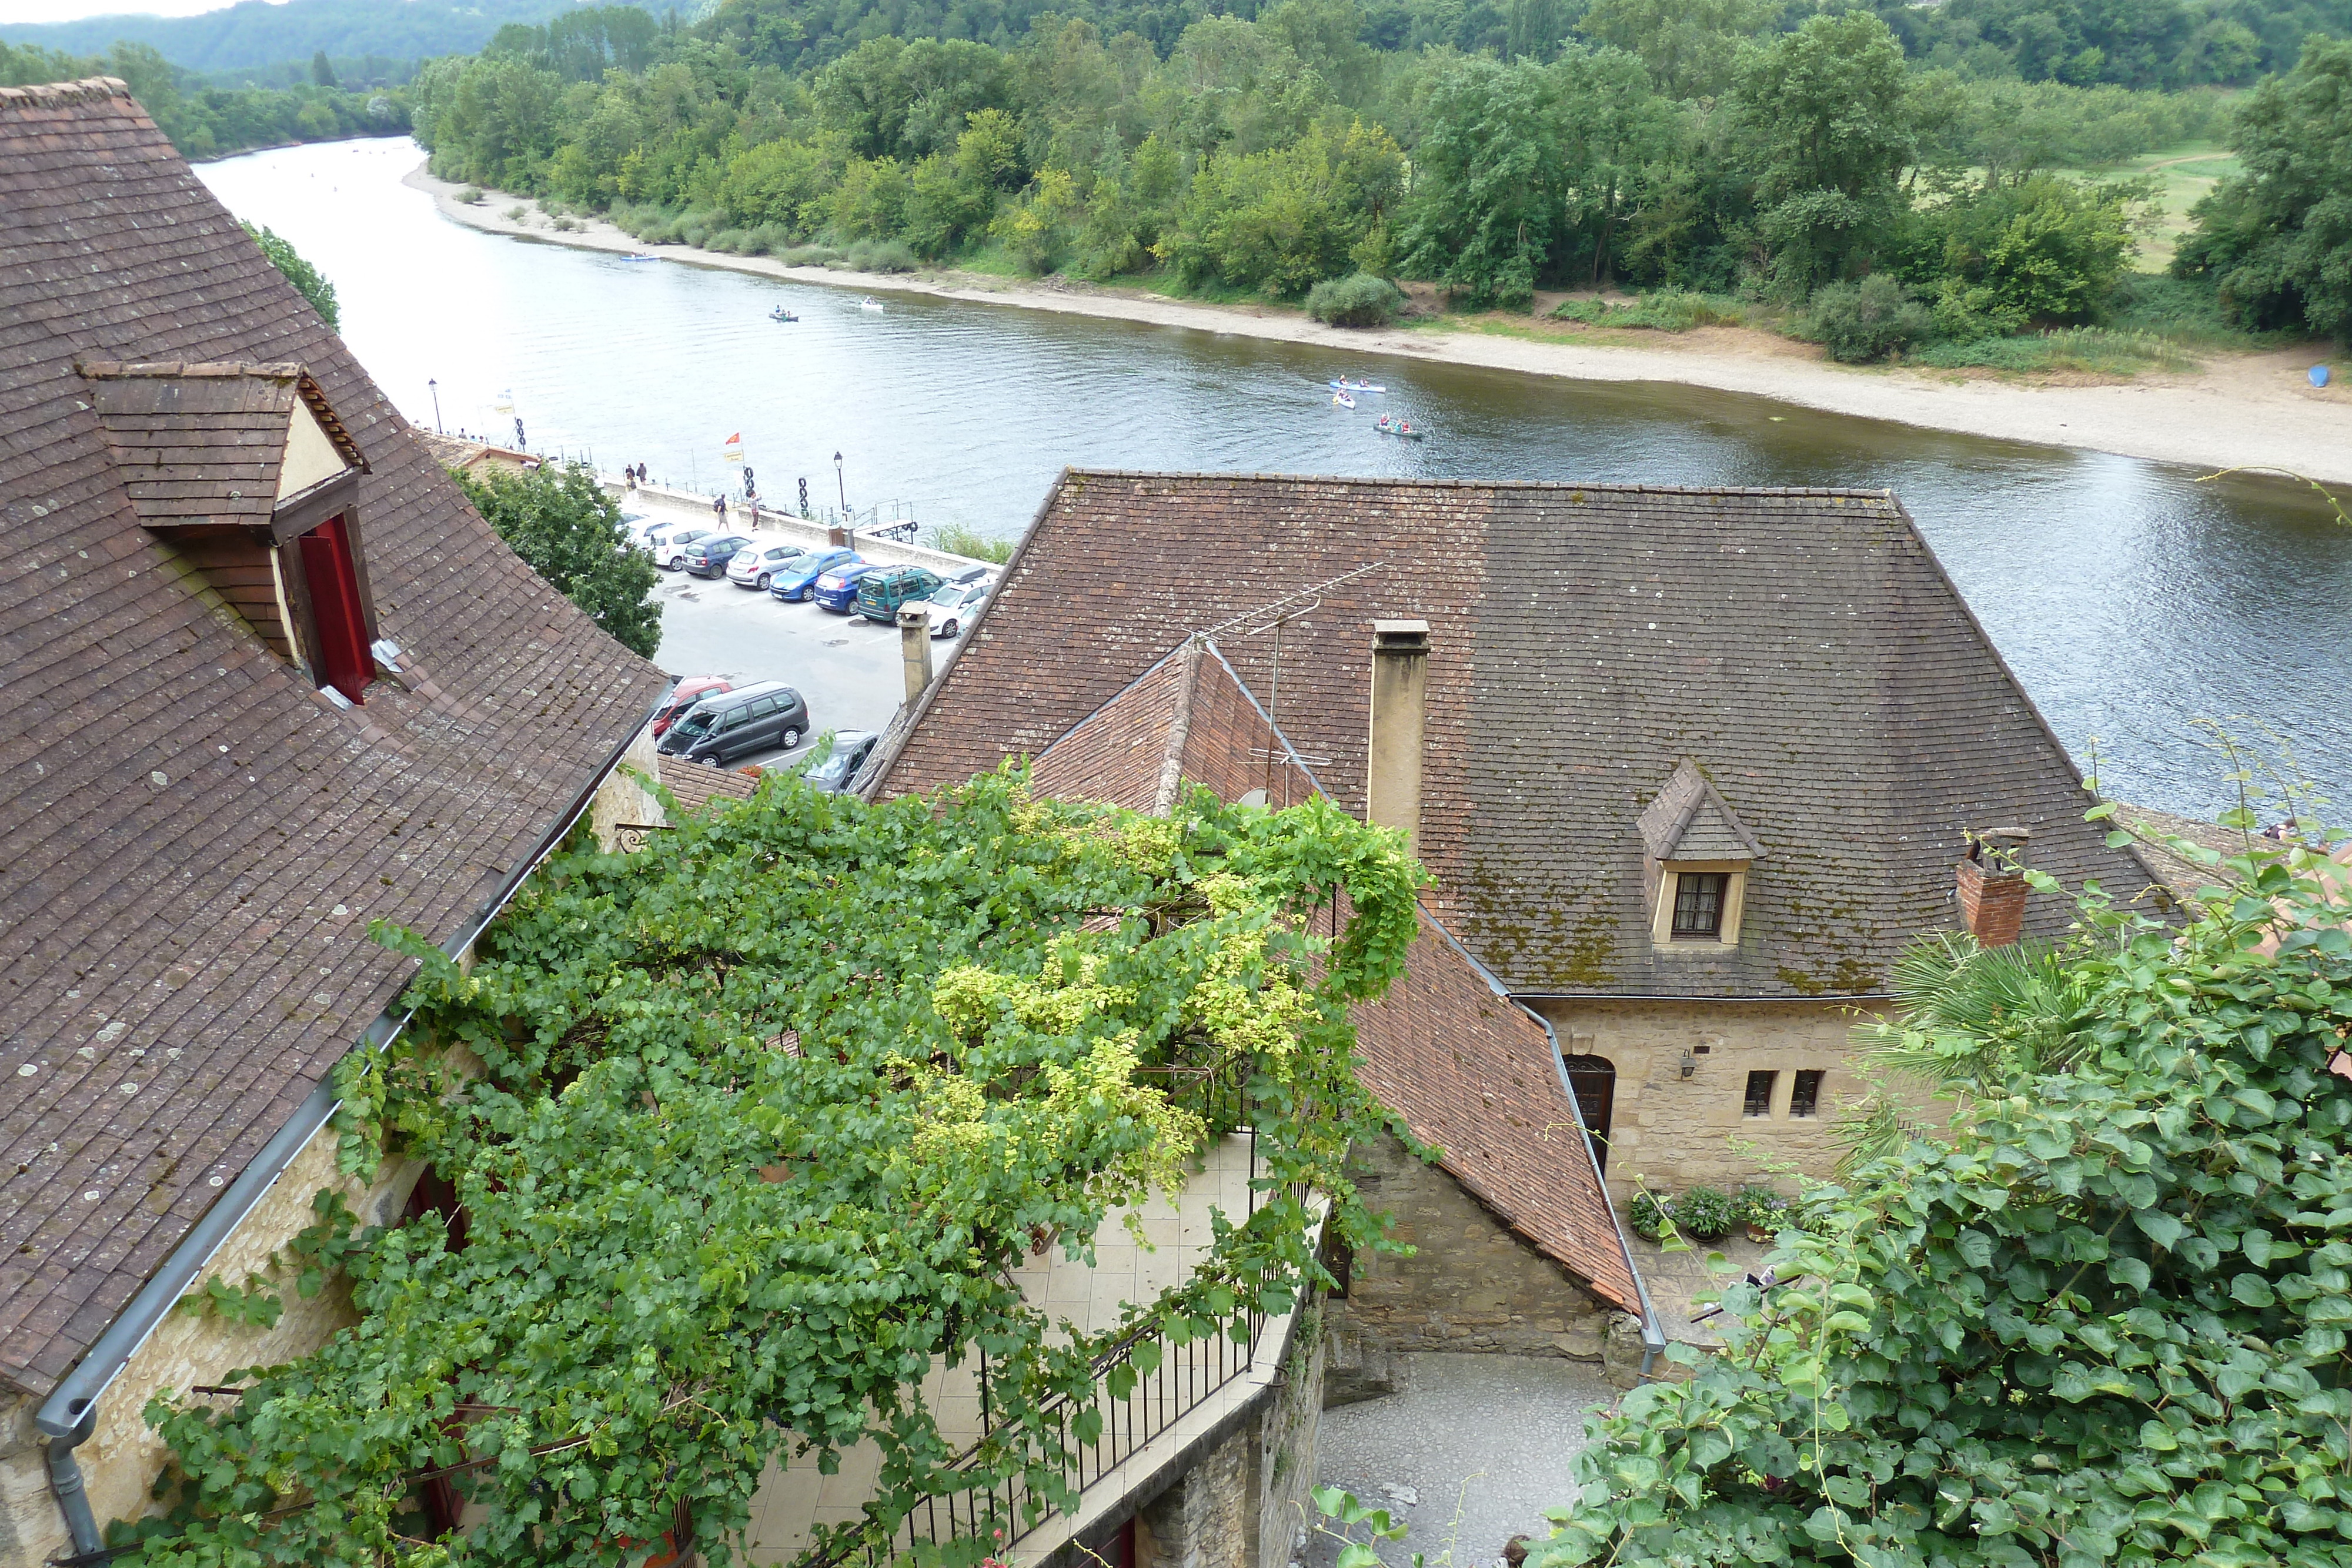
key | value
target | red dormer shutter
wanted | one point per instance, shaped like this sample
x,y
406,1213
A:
x,y
335,604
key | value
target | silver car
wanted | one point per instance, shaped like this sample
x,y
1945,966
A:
x,y
755,565
952,606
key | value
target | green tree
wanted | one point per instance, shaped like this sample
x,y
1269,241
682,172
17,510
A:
x,y
1689,45
307,280
1830,126
2043,250
2103,1322
2276,241
322,71
567,529
1487,203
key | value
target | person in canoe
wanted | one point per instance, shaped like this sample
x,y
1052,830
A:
x,y
1341,400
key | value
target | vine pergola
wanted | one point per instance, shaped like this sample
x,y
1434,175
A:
x,y
748,1131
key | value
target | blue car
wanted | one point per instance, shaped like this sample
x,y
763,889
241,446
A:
x,y
792,580
837,590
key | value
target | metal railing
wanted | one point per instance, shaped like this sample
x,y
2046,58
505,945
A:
x,y
1000,1513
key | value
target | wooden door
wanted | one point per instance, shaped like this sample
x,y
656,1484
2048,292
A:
x,y
1594,1080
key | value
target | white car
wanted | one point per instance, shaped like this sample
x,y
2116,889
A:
x,y
755,564
666,544
952,606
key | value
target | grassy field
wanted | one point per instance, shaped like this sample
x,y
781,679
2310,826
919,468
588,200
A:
x,y
2184,174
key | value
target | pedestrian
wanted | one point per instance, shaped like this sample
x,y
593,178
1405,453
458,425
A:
x,y
629,477
719,509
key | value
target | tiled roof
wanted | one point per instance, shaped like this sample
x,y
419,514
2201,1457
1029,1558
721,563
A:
x,y
196,840
696,785
202,445
1470,1070
1803,647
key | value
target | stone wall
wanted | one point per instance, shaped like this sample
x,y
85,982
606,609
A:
x,y
1471,1284
1287,1438
1675,1132
123,1456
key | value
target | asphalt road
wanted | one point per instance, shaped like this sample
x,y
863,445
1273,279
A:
x,y
844,666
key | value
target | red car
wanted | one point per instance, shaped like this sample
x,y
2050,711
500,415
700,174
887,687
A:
x,y
690,691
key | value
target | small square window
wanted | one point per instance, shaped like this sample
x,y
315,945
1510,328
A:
x,y
1698,903
1805,1095
1759,1094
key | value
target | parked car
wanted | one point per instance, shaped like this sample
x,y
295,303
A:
x,y
708,556
837,588
798,577
687,693
668,544
952,606
879,593
851,747
969,575
766,716
756,567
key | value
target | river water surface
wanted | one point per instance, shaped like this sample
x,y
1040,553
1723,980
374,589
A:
x,y
2131,601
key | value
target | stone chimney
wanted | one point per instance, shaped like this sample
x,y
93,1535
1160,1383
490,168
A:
x,y
915,647
1992,886
1400,707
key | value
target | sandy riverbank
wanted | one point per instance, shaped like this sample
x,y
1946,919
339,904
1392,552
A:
x,y
2238,411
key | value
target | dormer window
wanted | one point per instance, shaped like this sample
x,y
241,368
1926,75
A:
x,y
1698,904
1698,857
245,471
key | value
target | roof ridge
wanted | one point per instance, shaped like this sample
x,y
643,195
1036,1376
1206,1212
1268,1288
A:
x,y
88,89
1378,481
110,369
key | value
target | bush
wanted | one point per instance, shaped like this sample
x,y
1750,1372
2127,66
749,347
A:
x,y
1705,1212
564,225
809,256
2095,350
517,215
471,195
956,538
880,256
1860,322
1360,300
1666,310
1648,1214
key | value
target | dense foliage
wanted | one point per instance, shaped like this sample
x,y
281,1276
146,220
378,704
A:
x,y
307,280
2276,241
2103,1322
567,529
253,33
209,122
1723,146
766,1114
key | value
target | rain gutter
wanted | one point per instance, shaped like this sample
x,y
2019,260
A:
x,y
70,1415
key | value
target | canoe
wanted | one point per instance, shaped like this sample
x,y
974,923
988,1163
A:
x,y
641,257
869,305
782,316
1344,384
1385,428
1341,400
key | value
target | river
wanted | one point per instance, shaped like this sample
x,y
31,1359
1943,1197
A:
x,y
2132,601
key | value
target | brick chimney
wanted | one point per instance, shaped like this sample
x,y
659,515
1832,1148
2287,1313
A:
x,y
1400,707
1992,886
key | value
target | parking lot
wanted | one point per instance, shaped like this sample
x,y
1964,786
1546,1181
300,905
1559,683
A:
x,y
844,666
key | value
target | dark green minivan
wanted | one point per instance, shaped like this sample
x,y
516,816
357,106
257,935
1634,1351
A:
x,y
879,593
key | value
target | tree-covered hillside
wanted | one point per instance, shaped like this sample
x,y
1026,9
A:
x,y
210,122
256,32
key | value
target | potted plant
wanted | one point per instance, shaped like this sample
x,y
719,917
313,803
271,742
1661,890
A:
x,y
1761,1210
1705,1212
1648,1214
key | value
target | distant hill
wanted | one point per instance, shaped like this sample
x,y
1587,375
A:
x,y
254,34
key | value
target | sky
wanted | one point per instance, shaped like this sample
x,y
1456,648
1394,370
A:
x,y
27,11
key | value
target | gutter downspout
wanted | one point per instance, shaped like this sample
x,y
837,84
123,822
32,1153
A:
x,y
1654,1333
70,1415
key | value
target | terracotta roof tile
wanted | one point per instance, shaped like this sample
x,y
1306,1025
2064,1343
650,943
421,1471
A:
x,y
181,960
1469,1070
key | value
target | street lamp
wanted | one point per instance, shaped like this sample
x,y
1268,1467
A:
x,y
435,387
842,485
